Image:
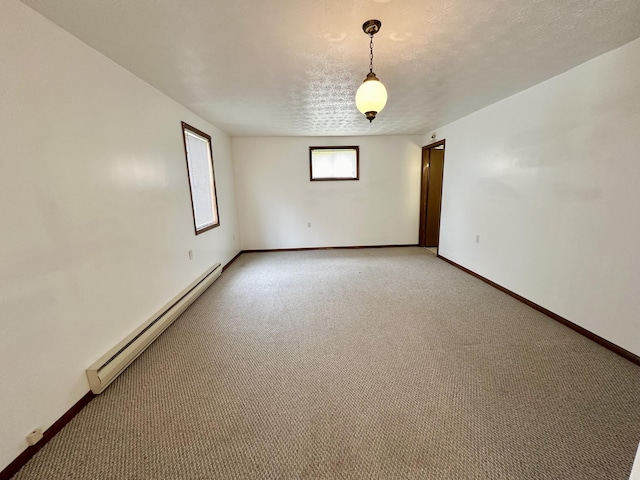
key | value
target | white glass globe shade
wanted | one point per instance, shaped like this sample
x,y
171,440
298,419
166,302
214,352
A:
x,y
371,96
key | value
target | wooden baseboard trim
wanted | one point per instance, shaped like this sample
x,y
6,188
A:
x,y
26,455
632,357
232,260
353,247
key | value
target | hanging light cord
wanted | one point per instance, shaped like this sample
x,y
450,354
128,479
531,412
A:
x,y
371,54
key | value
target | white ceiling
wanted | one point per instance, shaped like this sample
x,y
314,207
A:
x,y
292,67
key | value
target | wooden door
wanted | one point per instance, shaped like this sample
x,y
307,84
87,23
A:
x,y
434,197
431,194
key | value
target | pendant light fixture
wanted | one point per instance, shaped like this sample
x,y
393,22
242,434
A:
x,y
371,97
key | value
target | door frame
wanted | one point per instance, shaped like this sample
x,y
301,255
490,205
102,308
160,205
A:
x,y
424,190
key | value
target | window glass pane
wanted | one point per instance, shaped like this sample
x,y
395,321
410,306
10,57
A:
x,y
334,163
201,179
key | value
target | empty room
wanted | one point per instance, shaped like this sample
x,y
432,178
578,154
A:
x,y
371,239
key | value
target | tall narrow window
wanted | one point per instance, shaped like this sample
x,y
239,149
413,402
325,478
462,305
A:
x,y
334,163
202,183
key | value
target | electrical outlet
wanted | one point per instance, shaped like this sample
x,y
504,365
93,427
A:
x,y
477,238
308,224
35,436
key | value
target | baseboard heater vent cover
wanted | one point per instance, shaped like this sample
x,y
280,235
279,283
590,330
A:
x,y
115,361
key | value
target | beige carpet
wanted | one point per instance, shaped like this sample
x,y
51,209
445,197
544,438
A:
x,y
357,364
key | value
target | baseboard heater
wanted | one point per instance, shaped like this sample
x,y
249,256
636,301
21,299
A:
x,y
113,363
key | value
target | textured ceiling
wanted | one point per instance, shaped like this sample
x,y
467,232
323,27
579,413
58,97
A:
x,y
292,67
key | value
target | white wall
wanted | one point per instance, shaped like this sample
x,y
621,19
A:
x,y
549,180
635,469
276,200
95,214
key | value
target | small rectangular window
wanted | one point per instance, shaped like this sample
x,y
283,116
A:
x,y
334,163
202,183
